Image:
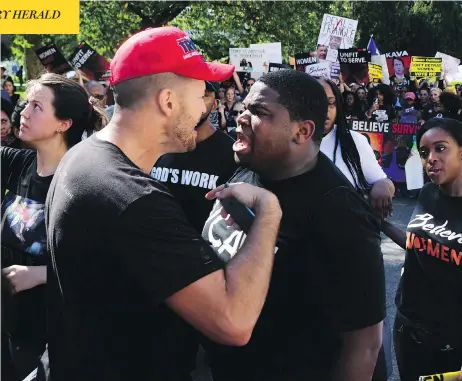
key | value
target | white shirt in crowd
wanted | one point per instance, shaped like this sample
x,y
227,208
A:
x,y
371,168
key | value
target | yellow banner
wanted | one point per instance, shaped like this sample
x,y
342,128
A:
x,y
451,376
40,17
375,72
425,67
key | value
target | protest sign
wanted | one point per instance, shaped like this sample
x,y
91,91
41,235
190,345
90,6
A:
x,y
354,65
249,60
86,59
426,67
450,66
302,60
321,69
52,59
392,144
277,67
335,33
374,138
335,72
375,72
382,61
398,68
273,51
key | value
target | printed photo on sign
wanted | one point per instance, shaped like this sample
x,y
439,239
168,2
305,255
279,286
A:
x,y
397,146
249,60
398,68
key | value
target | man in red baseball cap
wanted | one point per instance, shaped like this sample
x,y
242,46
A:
x,y
127,268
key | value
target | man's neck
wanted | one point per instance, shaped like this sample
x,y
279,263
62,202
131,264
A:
x,y
292,167
49,154
134,134
205,131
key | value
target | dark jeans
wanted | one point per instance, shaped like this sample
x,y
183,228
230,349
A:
x,y
417,356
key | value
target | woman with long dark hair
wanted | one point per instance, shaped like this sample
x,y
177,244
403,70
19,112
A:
x,y
381,100
57,113
352,106
10,88
428,329
353,155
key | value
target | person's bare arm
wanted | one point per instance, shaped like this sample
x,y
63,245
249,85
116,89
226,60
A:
x,y
238,83
359,354
226,304
381,196
397,235
221,110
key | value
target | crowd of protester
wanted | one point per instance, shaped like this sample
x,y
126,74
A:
x,y
106,276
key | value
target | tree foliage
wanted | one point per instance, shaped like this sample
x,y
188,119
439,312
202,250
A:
x,y
103,25
217,26
421,27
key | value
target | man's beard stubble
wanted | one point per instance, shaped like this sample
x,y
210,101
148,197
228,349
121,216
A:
x,y
183,131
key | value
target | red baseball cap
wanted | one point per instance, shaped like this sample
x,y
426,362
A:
x,y
164,50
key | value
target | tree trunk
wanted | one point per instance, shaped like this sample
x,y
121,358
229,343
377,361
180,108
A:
x,y
34,67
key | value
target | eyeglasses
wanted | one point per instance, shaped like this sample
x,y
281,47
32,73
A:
x,y
100,97
4,121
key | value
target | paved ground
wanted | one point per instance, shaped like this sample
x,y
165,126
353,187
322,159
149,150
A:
x,y
393,257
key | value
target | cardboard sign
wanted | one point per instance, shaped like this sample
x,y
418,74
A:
x,y
273,51
52,59
426,67
249,60
335,33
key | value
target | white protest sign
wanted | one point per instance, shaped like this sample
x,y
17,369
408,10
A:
x,y
249,60
321,69
273,51
336,33
450,65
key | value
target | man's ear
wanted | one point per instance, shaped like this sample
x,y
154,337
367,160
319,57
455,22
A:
x,y
166,100
304,131
216,103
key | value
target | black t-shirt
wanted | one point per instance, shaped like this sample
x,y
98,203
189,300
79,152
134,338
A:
x,y
23,240
189,176
328,278
430,290
120,245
